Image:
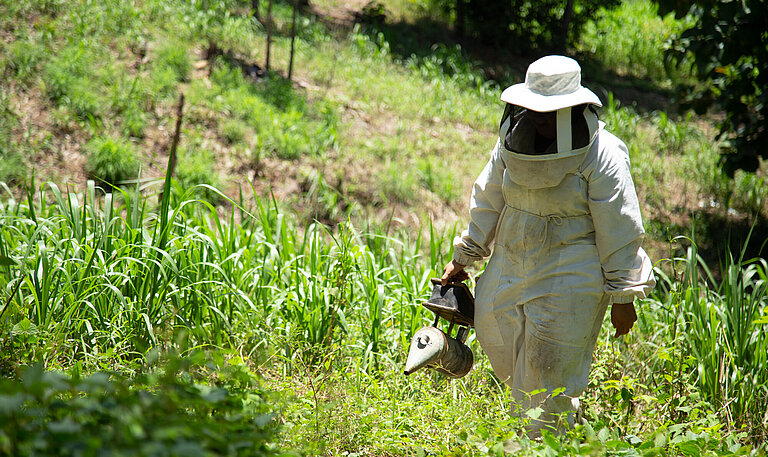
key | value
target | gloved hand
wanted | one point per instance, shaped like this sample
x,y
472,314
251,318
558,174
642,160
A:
x,y
454,271
623,317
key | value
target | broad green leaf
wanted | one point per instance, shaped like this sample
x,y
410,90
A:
x,y
24,327
10,403
550,440
603,434
633,440
689,448
66,426
534,413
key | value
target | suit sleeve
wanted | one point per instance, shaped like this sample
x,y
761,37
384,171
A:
x,y
485,205
619,232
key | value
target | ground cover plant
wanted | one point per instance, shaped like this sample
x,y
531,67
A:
x,y
286,259
324,316
164,412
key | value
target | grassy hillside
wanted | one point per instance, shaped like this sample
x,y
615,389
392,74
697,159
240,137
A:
x,y
216,296
390,116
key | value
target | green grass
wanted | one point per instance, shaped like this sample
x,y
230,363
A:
x,y
281,122
13,167
632,39
323,313
671,151
725,323
68,81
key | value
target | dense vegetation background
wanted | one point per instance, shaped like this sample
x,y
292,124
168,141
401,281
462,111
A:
x,y
256,292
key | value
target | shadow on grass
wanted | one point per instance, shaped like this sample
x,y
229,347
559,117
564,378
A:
x,y
718,235
417,40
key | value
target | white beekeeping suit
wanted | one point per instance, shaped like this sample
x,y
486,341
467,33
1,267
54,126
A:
x,y
563,228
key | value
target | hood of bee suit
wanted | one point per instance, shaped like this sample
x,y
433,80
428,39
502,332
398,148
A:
x,y
529,169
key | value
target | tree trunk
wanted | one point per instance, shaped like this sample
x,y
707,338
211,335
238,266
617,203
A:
x,y
566,24
176,136
269,31
459,27
293,39
172,156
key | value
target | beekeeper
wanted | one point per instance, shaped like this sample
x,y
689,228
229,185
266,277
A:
x,y
556,210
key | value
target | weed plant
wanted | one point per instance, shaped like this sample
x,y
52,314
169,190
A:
x,y
173,56
13,167
282,123
111,161
723,324
662,149
180,408
22,59
104,279
67,79
146,275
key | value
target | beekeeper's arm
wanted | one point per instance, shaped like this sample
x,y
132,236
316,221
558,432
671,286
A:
x,y
485,205
619,232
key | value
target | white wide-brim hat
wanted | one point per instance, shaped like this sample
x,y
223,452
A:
x,y
551,83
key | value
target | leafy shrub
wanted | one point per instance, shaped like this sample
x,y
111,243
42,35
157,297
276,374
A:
x,y
196,170
726,42
285,125
12,164
233,130
110,161
23,58
525,24
69,81
47,413
174,56
631,39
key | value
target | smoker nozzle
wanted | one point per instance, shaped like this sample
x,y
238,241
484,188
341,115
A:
x,y
431,347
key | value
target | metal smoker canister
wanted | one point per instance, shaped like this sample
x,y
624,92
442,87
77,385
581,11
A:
x,y
431,347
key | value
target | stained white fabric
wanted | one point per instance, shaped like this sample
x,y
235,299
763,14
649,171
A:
x,y
564,135
559,255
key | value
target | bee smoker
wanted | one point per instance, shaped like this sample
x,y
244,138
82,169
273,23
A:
x,y
433,348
